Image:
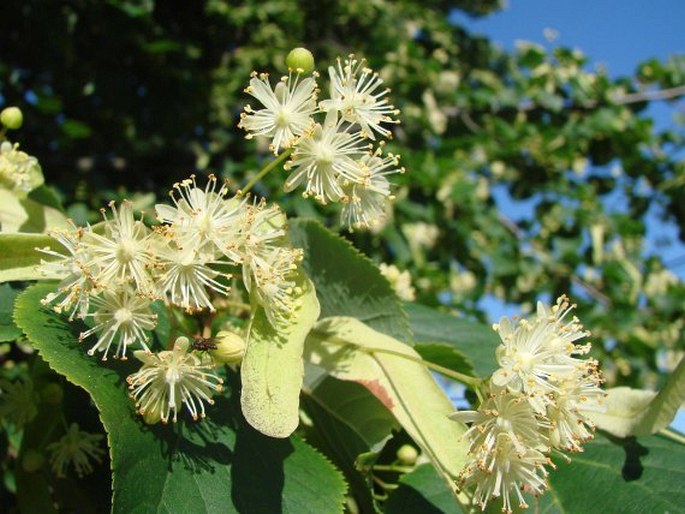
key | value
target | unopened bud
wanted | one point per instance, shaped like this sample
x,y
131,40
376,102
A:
x,y
32,460
300,60
230,347
152,416
407,455
11,118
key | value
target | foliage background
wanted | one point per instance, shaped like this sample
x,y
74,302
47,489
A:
x,y
121,98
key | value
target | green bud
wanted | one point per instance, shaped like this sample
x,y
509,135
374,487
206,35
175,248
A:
x,y
32,460
52,393
300,60
152,417
230,347
11,118
407,455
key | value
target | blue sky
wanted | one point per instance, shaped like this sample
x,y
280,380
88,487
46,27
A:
x,y
618,34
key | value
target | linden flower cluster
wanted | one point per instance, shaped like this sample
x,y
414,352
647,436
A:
x,y
19,172
111,274
330,142
535,402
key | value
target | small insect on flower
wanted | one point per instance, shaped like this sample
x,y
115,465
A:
x,y
169,379
203,344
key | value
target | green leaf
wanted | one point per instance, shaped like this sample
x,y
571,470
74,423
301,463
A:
x,y
8,330
18,255
391,371
272,370
639,412
663,409
347,420
348,283
422,491
625,407
26,215
218,465
630,476
476,340
352,405
446,356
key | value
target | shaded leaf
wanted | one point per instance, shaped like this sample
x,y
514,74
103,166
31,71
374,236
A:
x,y
446,356
630,476
8,330
476,340
422,491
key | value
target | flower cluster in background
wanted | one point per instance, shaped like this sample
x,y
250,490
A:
x,y
19,172
112,272
331,142
536,402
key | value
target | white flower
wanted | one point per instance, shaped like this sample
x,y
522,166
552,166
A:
x,y
366,198
270,280
18,171
504,469
323,157
78,448
503,413
287,112
184,277
122,316
121,255
507,446
567,411
75,270
400,281
536,355
354,92
203,219
169,379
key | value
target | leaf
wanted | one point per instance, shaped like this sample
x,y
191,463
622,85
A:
x,y
446,356
638,412
272,370
347,420
625,407
350,350
630,476
26,215
663,409
218,465
476,340
8,330
422,491
18,255
348,283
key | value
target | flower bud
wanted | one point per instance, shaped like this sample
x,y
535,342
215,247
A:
x,y
12,118
52,394
152,416
32,460
407,455
230,347
300,60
